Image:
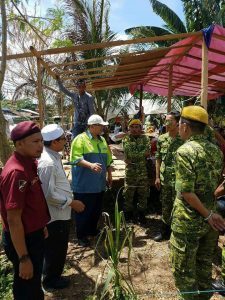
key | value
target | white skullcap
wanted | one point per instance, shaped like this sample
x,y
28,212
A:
x,y
51,132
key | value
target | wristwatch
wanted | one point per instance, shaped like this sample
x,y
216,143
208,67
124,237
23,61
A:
x,y
24,258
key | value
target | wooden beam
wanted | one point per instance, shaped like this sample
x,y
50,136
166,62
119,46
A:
x,y
85,47
40,94
118,56
45,65
204,77
105,68
141,96
170,89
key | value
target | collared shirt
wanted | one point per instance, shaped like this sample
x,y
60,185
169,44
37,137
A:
x,y
20,188
198,170
84,105
55,185
86,147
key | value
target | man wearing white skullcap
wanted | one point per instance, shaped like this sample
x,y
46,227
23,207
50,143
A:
x,y
59,196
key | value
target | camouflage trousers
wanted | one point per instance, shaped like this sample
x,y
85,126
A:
x,y
167,197
191,260
136,180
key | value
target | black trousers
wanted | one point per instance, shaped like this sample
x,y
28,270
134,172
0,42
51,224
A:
x,y
87,221
56,246
27,289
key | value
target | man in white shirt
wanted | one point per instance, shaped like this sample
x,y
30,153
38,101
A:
x,y
59,197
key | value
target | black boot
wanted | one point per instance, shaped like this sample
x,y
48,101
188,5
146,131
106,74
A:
x,y
163,234
141,218
128,215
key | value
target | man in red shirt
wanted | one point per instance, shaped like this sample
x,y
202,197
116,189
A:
x,y
24,212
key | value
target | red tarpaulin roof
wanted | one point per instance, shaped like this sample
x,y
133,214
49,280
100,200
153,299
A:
x,y
186,65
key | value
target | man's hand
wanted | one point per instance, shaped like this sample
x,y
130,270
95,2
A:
x,y
158,183
77,205
217,222
96,167
26,269
45,232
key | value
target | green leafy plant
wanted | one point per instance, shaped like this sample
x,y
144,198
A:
x,y
117,236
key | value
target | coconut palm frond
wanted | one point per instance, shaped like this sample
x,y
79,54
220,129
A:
x,y
172,20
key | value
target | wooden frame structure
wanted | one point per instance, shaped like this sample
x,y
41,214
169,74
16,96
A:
x,y
127,68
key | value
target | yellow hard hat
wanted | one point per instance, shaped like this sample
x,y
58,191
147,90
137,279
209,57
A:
x,y
135,122
195,113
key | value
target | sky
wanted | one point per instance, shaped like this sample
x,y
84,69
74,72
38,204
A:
x,y
129,13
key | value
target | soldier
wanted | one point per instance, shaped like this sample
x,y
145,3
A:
x,y
136,149
219,285
167,146
194,223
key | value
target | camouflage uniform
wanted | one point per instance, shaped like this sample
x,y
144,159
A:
x,y
166,149
193,241
136,178
210,134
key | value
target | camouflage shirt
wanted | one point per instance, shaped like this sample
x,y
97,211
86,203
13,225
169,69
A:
x,y
166,149
198,170
210,134
135,148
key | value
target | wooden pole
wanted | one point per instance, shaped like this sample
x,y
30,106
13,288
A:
x,y
204,79
141,96
40,94
170,89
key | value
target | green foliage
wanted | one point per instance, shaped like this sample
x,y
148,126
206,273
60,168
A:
x,y
116,237
62,43
19,104
172,20
6,278
89,24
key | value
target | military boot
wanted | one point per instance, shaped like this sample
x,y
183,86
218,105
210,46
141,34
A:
x,y
141,218
128,215
163,234
219,286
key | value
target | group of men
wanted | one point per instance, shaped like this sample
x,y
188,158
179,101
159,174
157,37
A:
x,y
188,171
37,199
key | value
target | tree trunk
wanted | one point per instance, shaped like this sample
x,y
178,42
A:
x,y
5,149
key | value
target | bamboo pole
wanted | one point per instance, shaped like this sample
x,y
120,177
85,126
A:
x,y
40,94
170,89
204,77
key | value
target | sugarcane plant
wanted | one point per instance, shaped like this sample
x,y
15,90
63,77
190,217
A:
x,y
117,236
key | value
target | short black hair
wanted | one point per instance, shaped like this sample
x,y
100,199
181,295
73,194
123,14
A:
x,y
175,114
196,127
80,81
48,143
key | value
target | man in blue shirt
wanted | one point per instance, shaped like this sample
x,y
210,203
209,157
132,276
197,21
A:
x,y
83,103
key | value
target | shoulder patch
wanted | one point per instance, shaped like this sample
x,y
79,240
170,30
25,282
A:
x,y
22,185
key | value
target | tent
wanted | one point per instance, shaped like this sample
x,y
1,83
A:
x,y
150,108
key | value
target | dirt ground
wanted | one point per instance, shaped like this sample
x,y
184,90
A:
x,y
149,265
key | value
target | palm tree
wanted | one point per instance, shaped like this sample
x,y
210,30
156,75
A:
x,y
198,14
90,24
